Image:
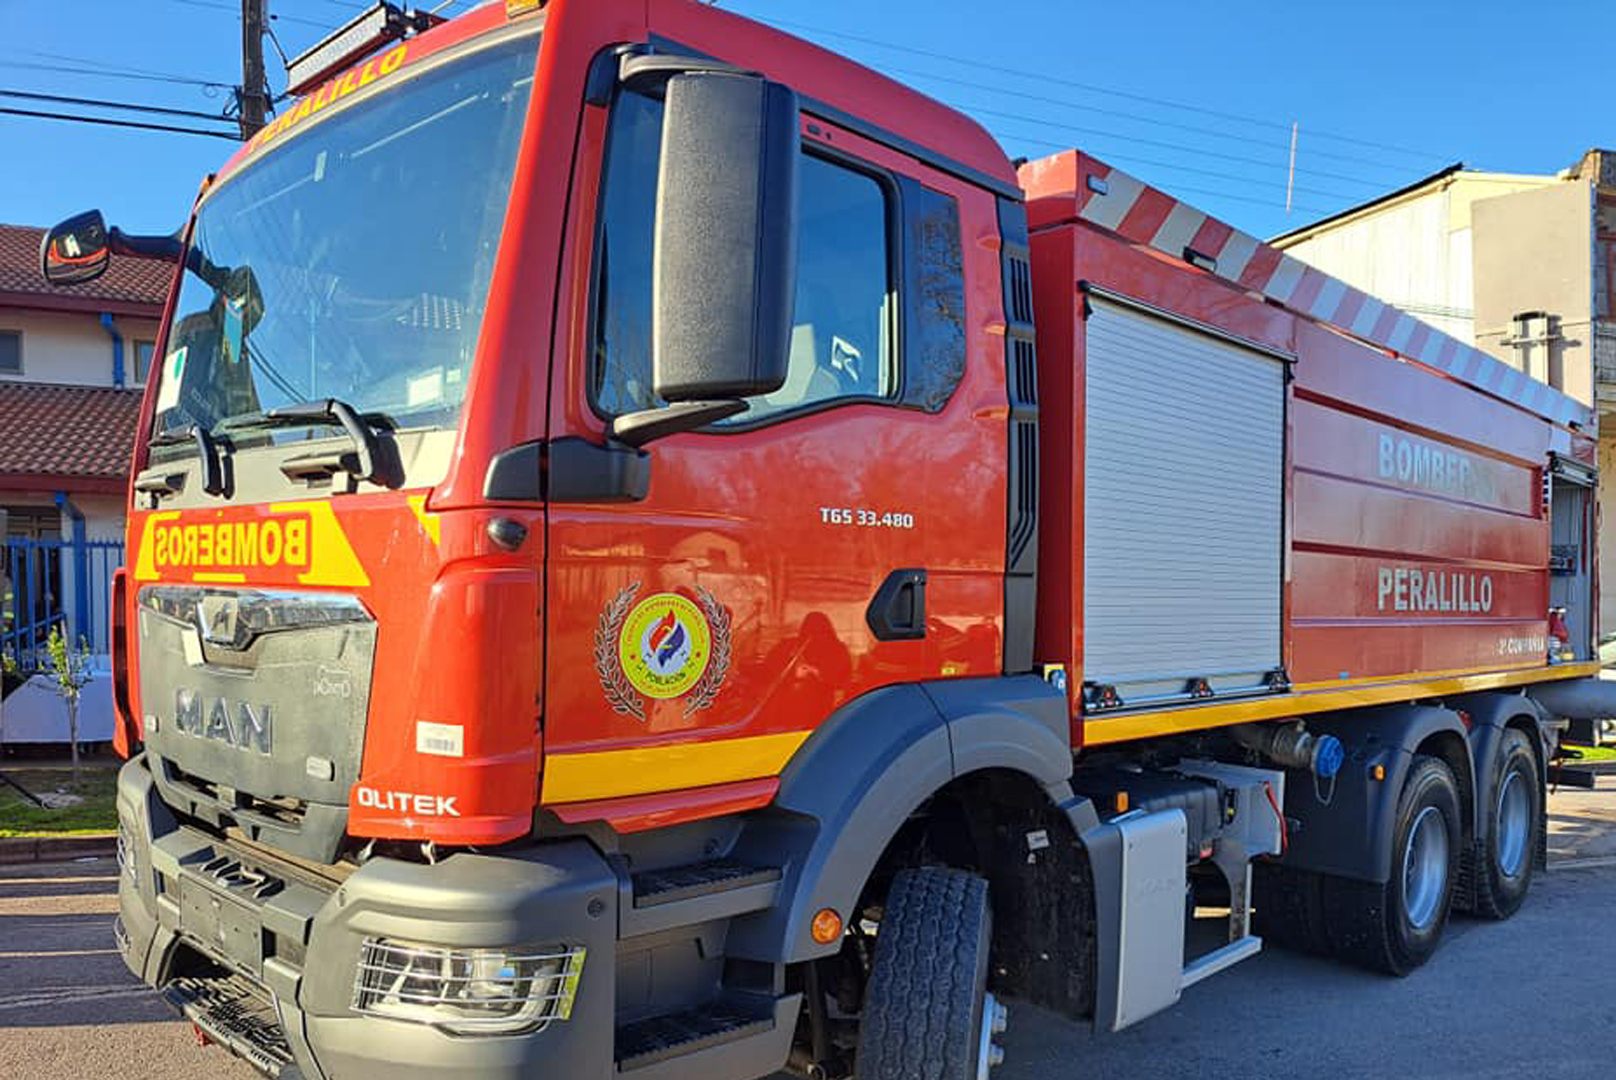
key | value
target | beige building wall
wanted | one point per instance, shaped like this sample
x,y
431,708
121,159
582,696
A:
x,y
73,348
1534,251
1414,250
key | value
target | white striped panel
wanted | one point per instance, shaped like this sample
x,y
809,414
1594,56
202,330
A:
x,y
1368,316
1175,234
1534,395
1236,254
1287,275
1108,210
1402,330
1329,298
1432,347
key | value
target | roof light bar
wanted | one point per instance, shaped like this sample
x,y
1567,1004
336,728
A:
x,y
363,34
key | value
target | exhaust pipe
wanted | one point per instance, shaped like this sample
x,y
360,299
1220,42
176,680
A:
x,y
1586,698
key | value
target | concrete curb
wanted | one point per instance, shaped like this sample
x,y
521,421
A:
x,y
27,849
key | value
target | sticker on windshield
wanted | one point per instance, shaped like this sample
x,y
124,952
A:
x,y
168,391
232,331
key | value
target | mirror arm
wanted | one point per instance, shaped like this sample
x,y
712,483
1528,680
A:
x,y
638,428
162,248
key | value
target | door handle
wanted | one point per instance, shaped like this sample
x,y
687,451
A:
x,y
898,610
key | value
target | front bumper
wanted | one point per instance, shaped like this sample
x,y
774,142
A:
x,y
183,892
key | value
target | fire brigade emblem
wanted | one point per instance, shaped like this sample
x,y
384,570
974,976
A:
x,y
666,646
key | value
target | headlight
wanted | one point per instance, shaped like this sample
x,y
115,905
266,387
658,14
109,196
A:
x,y
467,991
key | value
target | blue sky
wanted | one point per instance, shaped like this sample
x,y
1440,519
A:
x,y
1194,97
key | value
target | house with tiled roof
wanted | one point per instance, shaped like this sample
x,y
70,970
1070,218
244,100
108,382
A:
x,y
73,363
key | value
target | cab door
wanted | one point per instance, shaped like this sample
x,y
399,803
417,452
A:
x,y
844,533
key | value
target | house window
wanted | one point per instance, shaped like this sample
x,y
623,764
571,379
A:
x,y
143,355
10,352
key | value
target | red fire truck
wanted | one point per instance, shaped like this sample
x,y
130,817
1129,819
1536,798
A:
x,y
656,551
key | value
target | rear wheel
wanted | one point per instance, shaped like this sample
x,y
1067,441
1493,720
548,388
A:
x,y
927,1013
1395,926
1513,822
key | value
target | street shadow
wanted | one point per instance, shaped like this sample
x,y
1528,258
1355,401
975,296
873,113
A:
x,y
45,887
63,970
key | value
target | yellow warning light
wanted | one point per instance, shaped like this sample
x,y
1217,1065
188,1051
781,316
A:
x,y
1120,802
513,8
827,926
1380,772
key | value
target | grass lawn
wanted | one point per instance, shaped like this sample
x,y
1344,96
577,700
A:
x,y
96,814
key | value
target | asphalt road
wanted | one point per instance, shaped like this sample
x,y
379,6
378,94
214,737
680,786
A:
x,y
1531,997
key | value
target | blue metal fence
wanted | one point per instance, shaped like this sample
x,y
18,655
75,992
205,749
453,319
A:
x,y
55,582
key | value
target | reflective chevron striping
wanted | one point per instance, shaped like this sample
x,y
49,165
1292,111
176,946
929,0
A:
x,y
1141,213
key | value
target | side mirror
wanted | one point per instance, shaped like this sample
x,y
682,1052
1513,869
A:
x,y
76,250
725,257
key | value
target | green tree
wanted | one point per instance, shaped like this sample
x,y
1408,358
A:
x,y
70,672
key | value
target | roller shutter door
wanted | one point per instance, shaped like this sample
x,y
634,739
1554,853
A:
x,y
1183,507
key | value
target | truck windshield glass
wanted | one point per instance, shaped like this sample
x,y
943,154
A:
x,y
353,262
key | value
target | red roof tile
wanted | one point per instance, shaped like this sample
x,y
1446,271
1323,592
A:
x,y
128,280
52,430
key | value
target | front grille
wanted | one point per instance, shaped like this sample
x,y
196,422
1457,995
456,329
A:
x,y
255,704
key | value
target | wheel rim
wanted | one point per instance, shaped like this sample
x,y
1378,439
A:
x,y
1425,868
1514,824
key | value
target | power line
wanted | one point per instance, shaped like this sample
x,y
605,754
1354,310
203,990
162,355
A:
x,y
1155,142
6,111
1121,115
125,68
1251,181
100,104
71,70
1098,89
212,6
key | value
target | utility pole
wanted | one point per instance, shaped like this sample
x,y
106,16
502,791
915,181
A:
x,y
253,102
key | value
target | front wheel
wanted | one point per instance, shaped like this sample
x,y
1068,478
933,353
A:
x,y
927,1012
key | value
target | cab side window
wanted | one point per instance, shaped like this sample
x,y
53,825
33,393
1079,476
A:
x,y
843,327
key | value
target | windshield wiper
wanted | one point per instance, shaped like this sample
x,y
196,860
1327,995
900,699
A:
x,y
368,460
157,482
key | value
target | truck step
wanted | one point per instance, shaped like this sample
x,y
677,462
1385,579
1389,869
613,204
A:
x,y
654,887
701,892
646,1042
239,1015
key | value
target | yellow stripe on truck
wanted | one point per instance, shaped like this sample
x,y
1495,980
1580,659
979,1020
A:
x,y
641,770
1101,729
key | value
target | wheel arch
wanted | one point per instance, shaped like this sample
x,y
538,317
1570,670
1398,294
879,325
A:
x,y
880,759
1346,830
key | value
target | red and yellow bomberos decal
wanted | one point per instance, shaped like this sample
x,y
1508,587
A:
x,y
332,92
284,542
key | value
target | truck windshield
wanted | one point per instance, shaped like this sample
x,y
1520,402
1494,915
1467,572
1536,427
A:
x,y
353,261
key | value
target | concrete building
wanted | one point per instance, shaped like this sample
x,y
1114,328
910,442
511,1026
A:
x,y
72,363
1521,266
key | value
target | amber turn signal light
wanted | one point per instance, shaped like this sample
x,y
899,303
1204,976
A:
x,y
827,926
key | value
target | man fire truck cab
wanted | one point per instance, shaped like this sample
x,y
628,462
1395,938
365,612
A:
x,y
656,552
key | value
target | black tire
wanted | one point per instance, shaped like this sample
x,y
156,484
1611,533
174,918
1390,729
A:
x,y
1289,906
1371,924
1513,823
923,1007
